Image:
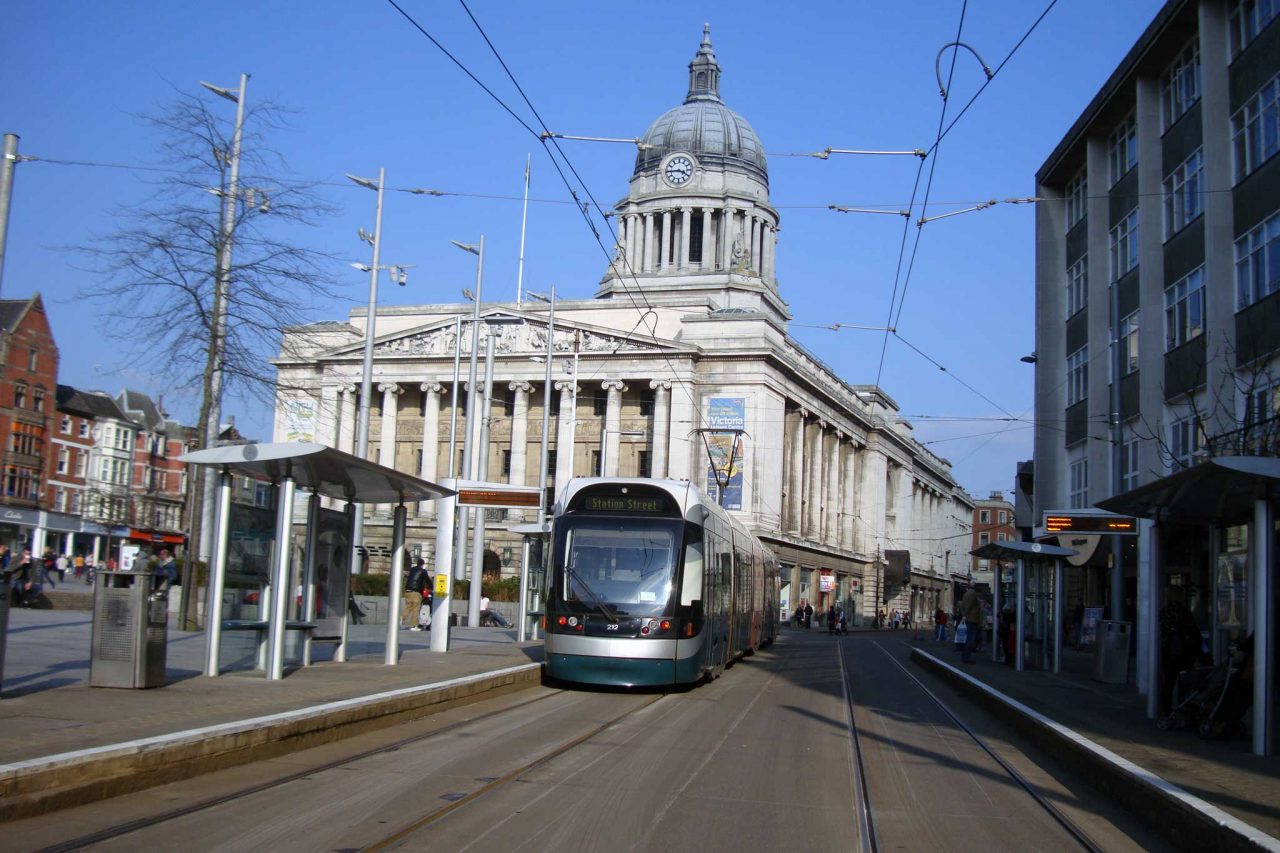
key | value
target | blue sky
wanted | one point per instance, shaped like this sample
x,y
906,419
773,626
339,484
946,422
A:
x,y
371,91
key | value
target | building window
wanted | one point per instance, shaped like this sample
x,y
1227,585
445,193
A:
x,y
76,502
82,459
1180,84
646,402
37,399
984,516
27,439
984,538
65,427
1185,441
1128,463
64,460
506,464
1261,427
1184,309
19,396
1078,375
595,464
1004,517
122,439
33,358
1258,262
509,402
84,429
645,465
1079,494
1124,245
1183,194
1076,208
1248,18
1129,344
600,403
1078,285
1122,149
1255,129
555,405
1002,537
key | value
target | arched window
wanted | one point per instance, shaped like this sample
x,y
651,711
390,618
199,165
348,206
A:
x,y
701,80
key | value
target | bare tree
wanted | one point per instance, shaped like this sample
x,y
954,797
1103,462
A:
x,y
157,272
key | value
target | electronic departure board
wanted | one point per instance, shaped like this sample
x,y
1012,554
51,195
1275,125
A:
x,y
1067,523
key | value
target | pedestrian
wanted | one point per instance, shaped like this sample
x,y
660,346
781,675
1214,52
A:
x,y
971,611
48,565
808,615
831,619
411,603
23,585
166,571
78,564
940,620
1008,635
844,623
353,608
897,618
61,564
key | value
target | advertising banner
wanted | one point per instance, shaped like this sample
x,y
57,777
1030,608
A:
x,y
826,582
728,413
299,420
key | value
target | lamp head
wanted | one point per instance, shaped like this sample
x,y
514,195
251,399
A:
x,y
466,247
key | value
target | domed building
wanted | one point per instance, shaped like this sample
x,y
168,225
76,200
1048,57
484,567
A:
x,y
860,513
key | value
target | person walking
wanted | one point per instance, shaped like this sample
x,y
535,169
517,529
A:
x,y
940,620
166,571
971,612
22,579
411,601
48,565
808,615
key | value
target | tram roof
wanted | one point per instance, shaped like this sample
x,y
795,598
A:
x,y
1217,490
320,469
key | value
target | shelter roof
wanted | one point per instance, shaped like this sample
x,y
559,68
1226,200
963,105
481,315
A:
x,y
321,470
1015,550
1217,490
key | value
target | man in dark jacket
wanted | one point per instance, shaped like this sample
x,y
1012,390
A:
x,y
412,605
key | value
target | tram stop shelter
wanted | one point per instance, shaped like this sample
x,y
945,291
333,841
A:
x,y
1038,598
260,544
1212,498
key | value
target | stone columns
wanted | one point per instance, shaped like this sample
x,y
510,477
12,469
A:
x,y
753,244
813,488
708,242
679,454
565,435
686,220
849,505
661,426
327,417
431,392
795,475
770,246
905,503
633,241
871,504
346,428
727,233
612,425
664,244
831,518
519,441
650,251
387,439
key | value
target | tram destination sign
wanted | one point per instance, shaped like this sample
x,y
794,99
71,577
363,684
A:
x,y
624,503
1125,525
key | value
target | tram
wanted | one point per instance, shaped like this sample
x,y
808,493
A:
x,y
651,583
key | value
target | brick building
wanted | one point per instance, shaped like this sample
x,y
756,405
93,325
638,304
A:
x,y
28,385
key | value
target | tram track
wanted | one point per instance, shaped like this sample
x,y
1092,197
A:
x,y
121,830
864,805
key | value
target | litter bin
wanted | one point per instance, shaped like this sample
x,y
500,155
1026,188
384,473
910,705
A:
x,y
130,621
1111,661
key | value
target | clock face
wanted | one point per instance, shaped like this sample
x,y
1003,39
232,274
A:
x,y
679,170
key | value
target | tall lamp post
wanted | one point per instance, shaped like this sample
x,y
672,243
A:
x,y
468,454
366,376
544,454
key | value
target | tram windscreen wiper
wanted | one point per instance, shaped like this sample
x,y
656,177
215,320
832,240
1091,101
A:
x,y
595,599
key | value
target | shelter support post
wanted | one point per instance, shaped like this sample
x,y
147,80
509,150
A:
x,y
1149,572
280,593
522,621
309,572
395,593
995,610
217,576
1059,630
1262,585
340,653
440,601
1020,616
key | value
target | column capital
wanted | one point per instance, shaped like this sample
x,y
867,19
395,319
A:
x,y
349,387
613,385
564,385
520,385
431,388
660,384
804,413
390,387
839,434
822,424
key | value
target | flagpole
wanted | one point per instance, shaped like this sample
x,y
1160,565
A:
x,y
524,217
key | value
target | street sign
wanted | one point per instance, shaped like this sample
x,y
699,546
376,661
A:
x,y
1090,523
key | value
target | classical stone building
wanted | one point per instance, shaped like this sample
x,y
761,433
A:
x,y
687,331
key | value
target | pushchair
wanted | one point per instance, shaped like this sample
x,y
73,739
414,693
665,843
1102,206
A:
x,y
1213,700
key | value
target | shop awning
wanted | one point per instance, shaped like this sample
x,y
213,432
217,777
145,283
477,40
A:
x,y
1217,490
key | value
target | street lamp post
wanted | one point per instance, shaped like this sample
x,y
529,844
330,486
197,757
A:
x,y
468,472
544,454
604,435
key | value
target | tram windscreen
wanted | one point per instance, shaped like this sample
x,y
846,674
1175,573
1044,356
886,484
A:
x,y
624,568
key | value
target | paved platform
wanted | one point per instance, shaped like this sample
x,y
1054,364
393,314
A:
x,y
62,741
1225,775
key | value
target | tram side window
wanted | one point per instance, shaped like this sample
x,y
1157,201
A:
x,y
691,588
